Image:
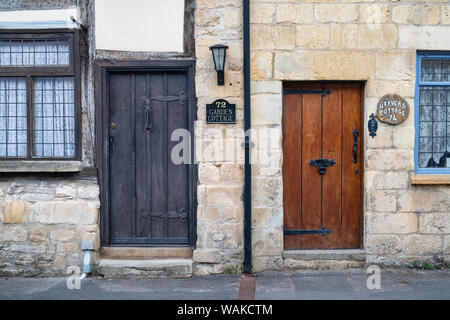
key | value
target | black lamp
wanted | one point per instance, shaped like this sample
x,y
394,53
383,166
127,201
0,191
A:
x,y
219,53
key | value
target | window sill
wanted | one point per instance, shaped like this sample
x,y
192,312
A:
x,y
40,166
430,178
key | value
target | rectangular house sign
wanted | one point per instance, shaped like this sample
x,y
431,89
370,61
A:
x,y
220,111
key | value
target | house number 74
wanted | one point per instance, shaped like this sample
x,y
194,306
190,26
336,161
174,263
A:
x,y
392,117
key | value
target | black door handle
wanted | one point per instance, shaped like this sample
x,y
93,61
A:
x,y
148,119
355,145
111,143
322,164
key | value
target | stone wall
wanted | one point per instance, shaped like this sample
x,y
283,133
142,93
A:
x,y
372,41
45,216
220,170
43,221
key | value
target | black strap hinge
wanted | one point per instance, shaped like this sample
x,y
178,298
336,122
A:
x,y
322,231
323,92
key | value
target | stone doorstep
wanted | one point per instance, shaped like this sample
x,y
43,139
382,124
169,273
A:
x,y
336,255
143,253
160,268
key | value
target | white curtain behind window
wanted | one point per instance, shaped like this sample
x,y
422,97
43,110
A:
x,y
34,52
54,119
434,114
13,117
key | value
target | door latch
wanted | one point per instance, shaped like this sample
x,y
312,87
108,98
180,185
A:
x,y
322,164
111,143
148,110
148,119
355,145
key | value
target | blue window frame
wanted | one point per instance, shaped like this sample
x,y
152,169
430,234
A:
x,y
432,113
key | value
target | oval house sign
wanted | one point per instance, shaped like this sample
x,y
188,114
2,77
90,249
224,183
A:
x,y
392,109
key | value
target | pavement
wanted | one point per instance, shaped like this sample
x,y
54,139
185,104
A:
x,y
401,284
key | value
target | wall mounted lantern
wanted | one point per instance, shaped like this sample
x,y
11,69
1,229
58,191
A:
x,y
219,53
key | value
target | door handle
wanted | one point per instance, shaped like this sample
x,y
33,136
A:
x,y
148,119
355,145
111,143
322,164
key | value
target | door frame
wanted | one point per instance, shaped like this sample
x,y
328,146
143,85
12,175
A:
x,y
292,85
103,68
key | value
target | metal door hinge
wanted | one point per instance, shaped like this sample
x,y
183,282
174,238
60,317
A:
x,y
181,98
175,214
323,92
292,232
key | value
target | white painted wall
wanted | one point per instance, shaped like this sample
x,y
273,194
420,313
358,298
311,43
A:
x,y
139,25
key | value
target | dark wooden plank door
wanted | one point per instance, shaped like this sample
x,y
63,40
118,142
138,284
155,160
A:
x,y
149,193
322,126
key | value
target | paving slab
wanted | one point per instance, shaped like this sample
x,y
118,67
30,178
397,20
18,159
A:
x,y
220,287
397,284
400,284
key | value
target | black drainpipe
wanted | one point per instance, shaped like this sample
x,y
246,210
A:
x,y
247,144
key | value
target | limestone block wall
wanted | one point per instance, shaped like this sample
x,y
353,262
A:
x,y
44,217
219,154
375,42
43,222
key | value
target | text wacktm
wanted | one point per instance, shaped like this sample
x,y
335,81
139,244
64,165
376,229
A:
x,y
250,309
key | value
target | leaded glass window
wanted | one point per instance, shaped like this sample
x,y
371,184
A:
x,y
13,117
54,118
38,96
16,52
434,113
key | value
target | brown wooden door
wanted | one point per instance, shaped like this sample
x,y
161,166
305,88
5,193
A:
x,y
322,121
149,195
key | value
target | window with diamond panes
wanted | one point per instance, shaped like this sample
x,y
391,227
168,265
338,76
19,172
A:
x,y
434,113
38,104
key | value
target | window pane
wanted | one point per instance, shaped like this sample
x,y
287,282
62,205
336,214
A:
x,y
13,117
435,70
434,127
54,129
34,52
